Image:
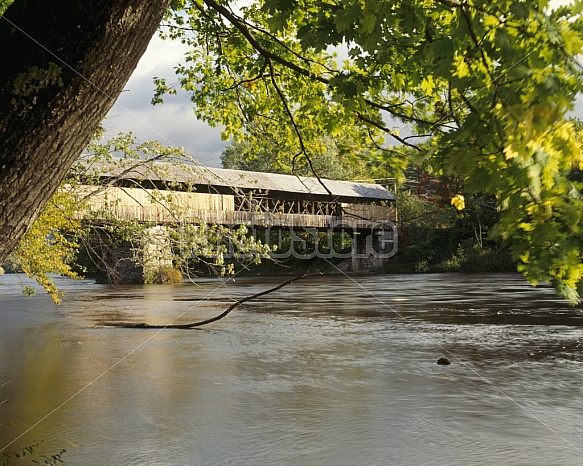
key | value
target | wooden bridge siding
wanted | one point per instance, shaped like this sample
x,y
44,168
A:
x,y
138,197
378,213
159,207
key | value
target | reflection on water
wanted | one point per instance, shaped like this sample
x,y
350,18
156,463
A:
x,y
328,371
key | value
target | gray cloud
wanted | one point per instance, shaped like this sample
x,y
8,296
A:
x,y
171,123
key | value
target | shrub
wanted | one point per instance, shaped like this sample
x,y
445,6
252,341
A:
x,y
163,275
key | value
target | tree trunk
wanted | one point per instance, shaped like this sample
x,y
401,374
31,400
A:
x,y
63,66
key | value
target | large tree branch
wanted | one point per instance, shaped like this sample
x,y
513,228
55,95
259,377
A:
x,y
63,68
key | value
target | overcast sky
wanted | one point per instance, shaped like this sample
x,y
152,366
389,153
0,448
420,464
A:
x,y
173,122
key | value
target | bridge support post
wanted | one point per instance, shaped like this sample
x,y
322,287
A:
x,y
358,252
156,254
144,260
372,247
119,265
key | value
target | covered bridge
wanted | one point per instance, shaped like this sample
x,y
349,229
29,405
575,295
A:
x,y
166,195
150,192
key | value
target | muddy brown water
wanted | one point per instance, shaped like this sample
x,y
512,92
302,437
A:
x,y
327,371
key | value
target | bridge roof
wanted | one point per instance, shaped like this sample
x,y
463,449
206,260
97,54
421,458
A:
x,y
201,175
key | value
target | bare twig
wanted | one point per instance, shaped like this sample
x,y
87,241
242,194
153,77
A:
x,y
237,303
112,179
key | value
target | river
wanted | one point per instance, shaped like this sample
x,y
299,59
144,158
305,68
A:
x,y
330,370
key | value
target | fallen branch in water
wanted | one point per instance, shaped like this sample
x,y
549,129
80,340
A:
x,y
220,316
